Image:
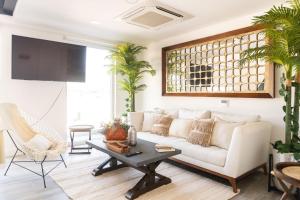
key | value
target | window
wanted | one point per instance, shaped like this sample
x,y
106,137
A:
x,y
92,102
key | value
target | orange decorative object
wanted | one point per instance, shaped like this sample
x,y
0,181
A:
x,y
116,134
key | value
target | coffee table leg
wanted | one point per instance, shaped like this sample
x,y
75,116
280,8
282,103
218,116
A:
x,y
150,181
113,165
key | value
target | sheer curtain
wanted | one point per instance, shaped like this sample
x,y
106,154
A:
x,y
92,102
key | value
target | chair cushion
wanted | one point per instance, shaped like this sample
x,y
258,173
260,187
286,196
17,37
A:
x,y
39,143
180,127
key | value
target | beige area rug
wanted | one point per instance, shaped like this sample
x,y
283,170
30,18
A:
x,y
78,183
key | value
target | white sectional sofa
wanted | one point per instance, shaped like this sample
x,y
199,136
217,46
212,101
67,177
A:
x,y
248,148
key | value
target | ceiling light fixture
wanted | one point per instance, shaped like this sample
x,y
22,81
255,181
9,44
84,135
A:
x,y
95,22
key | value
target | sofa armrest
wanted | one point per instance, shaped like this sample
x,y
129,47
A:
x,y
249,148
136,119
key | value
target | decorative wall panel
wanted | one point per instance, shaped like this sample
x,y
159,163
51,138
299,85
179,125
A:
x,y
210,67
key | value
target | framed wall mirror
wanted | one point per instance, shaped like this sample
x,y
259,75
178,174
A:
x,y
210,67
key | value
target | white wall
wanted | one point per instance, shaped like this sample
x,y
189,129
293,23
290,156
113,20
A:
x,y
269,109
34,97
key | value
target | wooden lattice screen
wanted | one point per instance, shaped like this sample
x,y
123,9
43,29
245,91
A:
x,y
210,67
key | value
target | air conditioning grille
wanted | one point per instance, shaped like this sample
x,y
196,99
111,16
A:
x,y
152,19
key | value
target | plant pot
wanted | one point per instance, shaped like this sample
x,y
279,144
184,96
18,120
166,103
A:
x,y
281,157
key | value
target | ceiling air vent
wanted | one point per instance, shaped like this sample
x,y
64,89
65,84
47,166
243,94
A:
x,y
152,15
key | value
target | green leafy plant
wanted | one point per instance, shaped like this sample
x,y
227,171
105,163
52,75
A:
x,y
126,63
282,29
125,127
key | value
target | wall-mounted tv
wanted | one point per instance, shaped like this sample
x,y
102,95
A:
x,y
36,59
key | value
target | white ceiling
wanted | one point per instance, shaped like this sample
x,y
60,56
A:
x,y
78,15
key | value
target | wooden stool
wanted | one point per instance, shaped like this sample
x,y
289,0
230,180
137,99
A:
x,y
288,172
80,129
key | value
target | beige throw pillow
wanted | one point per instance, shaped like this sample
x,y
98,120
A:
x,y
222,133
180,128
161,125
201,132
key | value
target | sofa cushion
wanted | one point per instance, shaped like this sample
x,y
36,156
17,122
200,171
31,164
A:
x,y
158,138
149,120
222,133
213,155
184,113
201,132
161,125
235,117
180,128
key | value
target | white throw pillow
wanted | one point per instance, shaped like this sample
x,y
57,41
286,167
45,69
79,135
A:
x,y
149,121
235,117
180,127
170,112
222,133
39,143
193,114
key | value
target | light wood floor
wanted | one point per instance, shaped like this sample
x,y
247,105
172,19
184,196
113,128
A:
x,y
23,185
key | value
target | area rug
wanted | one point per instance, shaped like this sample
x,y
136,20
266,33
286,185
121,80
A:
x,y
78,183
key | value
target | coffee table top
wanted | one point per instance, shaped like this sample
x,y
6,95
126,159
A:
x,y
148,156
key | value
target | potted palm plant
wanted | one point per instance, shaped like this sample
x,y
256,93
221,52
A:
x,y
126,63
282,29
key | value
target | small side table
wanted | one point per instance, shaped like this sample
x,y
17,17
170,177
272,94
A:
x,y
80,129
288,172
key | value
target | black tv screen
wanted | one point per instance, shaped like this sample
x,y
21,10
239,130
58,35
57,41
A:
x,y
36,59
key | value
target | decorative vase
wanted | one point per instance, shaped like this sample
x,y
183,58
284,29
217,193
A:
x,y
132,137
282,157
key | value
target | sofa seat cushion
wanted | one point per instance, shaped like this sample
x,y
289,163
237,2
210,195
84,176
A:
x,y
213,155
158,138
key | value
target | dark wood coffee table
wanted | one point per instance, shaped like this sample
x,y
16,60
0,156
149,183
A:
x,y
146,162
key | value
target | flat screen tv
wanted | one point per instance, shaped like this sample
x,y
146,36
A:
x,y
36,59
